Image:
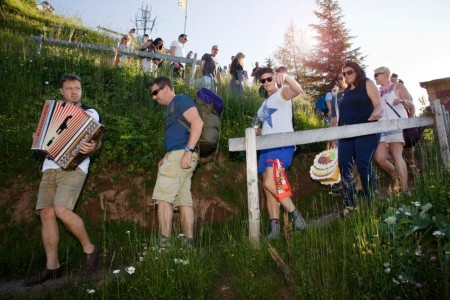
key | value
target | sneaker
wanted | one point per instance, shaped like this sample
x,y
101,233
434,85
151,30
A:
x,y
163,241
299,222
346,211
274,229
91,260
43,276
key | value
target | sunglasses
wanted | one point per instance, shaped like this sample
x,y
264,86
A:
x,y
269,79
155,92
376,74
340,78
348,73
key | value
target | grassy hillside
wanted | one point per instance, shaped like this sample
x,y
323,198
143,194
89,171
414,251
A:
x,y
398,247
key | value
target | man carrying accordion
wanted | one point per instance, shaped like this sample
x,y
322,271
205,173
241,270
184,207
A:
x,y
61,186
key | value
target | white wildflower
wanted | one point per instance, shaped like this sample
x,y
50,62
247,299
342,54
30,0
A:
x,y
46,82
418,252
130,270
116,271
395,281
416,203
407,213
424,209
387,270
141,258
128,232
386,265
390,220
90,291
438,233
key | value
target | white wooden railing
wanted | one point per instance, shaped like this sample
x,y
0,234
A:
x,y
142,54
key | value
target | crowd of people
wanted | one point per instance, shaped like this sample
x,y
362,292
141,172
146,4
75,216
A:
x,y
355,99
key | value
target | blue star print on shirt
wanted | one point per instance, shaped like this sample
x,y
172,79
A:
x,y
268,114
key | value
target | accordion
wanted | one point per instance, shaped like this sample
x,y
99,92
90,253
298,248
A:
x,y
62,127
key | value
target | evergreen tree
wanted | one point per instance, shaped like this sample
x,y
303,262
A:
x,y
333,48
291,55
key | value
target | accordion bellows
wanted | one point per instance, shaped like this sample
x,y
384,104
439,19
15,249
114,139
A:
x,y
61,129
325,167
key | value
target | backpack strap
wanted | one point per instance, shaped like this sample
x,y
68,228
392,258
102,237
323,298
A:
x,y
182,123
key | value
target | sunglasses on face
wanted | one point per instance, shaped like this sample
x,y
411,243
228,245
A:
x,y
348,73
269,79
155,92
376,74
340,78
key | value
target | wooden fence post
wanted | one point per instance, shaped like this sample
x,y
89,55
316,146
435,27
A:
x,y
39,45
252,187
193,65
441,131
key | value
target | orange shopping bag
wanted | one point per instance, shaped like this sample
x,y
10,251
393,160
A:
x,y
283,189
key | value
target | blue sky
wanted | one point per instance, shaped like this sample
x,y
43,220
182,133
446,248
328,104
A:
x,y
408,36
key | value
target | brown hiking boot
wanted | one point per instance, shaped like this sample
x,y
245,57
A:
x,y
91,260
43,276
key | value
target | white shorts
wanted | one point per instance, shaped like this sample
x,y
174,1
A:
x,y
395,136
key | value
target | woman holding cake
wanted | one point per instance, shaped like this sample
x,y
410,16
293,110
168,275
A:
x,y
361,104
276,114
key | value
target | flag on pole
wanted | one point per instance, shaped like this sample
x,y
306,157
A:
x,y
182,4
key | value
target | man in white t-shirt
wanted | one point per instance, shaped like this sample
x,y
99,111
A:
x,y
58,194
177,49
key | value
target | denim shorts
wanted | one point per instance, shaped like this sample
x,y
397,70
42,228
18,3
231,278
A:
x,y
284,154
59,187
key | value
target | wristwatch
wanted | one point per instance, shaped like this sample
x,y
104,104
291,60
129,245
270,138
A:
x,y
188,149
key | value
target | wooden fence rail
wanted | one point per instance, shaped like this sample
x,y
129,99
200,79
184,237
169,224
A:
x,y
142,54
251,144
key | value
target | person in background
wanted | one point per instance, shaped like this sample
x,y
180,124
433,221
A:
x,y
123,45
328,101
190,54
395,99
338,94
393,78
360,104
237,74
58,193
276,114
209,65
146,38
177,49
183,127
255,73
409,150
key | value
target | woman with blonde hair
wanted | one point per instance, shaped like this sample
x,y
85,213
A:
x,y
237,73
124,45
395,100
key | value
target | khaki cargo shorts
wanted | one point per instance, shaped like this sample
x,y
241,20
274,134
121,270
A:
x,y
173,184
59,187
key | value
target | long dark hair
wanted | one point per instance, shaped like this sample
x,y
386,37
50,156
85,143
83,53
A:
x,y
360,74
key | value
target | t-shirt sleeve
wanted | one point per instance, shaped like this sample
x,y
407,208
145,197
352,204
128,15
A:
x,y
328,96
182,104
